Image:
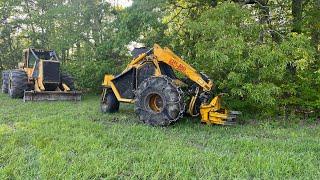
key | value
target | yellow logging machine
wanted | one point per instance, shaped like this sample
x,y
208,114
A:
x,y
38,78
160,97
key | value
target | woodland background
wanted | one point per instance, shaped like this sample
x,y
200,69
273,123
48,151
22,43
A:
x,y
264,53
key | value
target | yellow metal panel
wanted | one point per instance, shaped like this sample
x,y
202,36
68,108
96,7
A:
x,y
29,72
65,87
40,78
212,113
107,82
136,60
167,56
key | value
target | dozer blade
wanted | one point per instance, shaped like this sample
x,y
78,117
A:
x,y
52,96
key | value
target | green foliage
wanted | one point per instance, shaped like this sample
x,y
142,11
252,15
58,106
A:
x,y
89,74
263,75
10,50
142,22
264,55
66,140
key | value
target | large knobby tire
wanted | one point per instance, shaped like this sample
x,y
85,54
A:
x,y
109,103
18,83
67,80
159,102
5,82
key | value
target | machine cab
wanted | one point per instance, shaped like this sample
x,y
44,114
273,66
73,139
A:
x,y
41,63
31,55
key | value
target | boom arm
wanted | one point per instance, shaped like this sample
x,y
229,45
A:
x,y
167,56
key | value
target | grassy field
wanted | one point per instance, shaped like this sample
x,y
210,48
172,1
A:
x,y
64,140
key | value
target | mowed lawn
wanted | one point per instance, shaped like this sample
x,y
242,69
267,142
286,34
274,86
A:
x,y
67,140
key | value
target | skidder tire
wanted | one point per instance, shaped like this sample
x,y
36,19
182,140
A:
x,y
5,82
110,103
68,80
159,102
18,83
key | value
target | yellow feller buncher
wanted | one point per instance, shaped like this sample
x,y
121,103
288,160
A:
x,y
39,78
160,97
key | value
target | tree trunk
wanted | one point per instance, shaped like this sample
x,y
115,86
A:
x,y
315,31
33,39
297,15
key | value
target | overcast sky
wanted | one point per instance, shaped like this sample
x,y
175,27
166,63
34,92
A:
x,y
124,3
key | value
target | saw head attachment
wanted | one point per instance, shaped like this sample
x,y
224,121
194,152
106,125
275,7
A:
x,y
213,113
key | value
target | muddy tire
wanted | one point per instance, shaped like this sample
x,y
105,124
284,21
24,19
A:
x,y
18,83
5,82
110,103
159,102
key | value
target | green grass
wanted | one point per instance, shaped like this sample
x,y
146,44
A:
x,y
64,140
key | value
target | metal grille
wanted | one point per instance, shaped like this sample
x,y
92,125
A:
x,y
51,71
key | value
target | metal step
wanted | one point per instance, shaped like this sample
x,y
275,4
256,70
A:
x,y
52,96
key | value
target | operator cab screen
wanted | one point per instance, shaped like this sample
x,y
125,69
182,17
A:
x,y
44,55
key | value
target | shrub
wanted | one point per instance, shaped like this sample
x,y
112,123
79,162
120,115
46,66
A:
x,y
89,74
260,76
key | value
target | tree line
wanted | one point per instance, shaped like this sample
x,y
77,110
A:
x,y
263,53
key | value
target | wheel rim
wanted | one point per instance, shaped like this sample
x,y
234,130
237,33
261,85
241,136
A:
x,y
155,102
